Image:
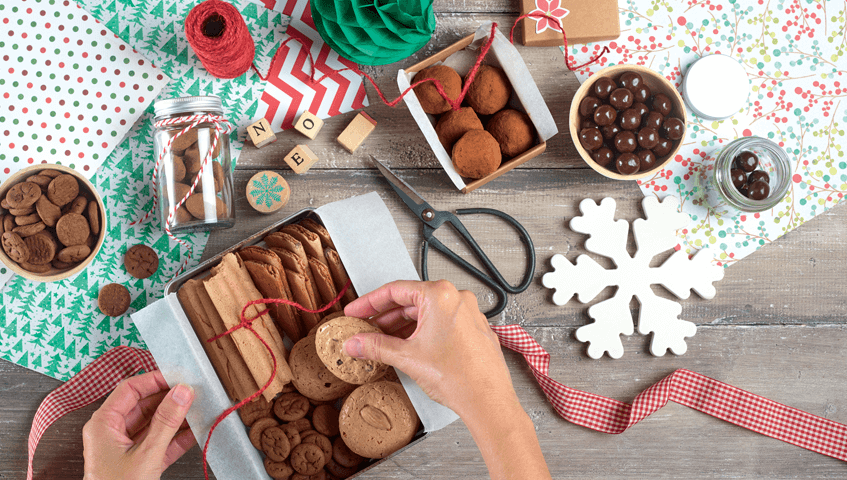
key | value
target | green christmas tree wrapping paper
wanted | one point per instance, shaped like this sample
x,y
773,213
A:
x,y
56,328
372,32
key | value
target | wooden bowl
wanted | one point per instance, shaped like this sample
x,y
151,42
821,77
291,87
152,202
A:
x,y
55,275
657,84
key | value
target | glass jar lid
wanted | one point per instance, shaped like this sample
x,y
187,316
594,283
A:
x,y
174,106
716,87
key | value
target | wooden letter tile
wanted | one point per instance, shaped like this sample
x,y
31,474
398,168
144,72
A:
x,y
357,131
309,125
261,133
300,159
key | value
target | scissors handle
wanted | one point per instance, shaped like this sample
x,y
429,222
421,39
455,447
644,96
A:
x,y
498,289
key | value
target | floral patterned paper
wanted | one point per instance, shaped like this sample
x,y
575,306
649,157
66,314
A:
x,y
552,8
795,56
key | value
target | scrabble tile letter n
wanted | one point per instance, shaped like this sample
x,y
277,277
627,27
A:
x,y
300,159
261,133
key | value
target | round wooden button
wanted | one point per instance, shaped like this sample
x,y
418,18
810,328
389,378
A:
x,y
267,192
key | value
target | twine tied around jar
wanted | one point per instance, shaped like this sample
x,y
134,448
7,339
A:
x,y
222,127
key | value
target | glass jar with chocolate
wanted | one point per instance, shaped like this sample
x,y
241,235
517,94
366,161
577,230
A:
x,y
195,171
752,174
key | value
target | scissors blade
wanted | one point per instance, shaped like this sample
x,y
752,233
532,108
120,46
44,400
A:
x,y
410,197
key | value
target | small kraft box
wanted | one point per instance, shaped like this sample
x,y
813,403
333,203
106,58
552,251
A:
x,y
526,98
373,253
583,21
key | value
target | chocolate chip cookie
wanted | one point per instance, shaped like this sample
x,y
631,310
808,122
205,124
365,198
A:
x,y
329,341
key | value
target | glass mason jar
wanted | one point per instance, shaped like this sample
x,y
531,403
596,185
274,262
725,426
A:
x,y
772,160
202,187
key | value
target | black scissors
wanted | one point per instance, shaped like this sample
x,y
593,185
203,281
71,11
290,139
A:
x,y
432,219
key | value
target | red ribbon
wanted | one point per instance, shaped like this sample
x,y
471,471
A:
x,y
248,324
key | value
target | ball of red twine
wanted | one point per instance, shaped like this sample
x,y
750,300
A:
x,y
220,38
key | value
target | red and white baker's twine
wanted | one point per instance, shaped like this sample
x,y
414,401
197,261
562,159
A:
x,y
222,127
596,412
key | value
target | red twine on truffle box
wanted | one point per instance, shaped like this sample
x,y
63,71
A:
x,y
248,324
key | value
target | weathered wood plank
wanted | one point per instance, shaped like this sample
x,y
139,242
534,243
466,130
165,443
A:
x,y
397,138
798,279
795,365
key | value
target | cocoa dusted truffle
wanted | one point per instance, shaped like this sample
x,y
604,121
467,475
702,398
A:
x,y
431,101
455,123
476,154
513,130
490,90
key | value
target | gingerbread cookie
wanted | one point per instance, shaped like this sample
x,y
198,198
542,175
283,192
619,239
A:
x,y
291,406
72,229
258,408
94,217
23,195
292,433
307,459
63,190
377,419
345,457
41,180
42,249
258,428
278,470
29,230
79,205
329,341
141,261
321,441
275,444
311,377
48,211
325,420
74,254
302,425
113,300
15,247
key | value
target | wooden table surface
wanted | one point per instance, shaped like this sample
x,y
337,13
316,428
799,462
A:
x,y
777,327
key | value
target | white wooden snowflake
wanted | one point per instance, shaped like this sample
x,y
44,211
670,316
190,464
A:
x,y
633,277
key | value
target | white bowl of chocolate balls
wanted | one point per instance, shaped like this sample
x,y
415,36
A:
x,y
627,122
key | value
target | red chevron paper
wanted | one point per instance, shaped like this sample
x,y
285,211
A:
x,y
289,92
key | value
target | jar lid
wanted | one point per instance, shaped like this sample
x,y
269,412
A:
x,y
173,106
716,87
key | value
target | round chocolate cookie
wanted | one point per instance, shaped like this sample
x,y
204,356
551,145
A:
x,y
292,433
275,443
42,249
94,217
78,205
141,261
63,190
311,377
345,457
48,211
23,195
258,408
377,419
15,247
291,406
278,470
307,459
74,254
72,229
258,428
325,420
113,300
320,440
329,341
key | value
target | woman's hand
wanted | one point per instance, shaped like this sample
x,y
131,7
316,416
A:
x,y
445,344
139,430
437,336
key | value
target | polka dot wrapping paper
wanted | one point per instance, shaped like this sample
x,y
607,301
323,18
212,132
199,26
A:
x,y
56,328
70,89
795,56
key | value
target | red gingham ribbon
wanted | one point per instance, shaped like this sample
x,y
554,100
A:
x,y
222,126
97,379
685,387
596,412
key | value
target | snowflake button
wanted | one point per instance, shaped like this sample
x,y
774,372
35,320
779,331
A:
x,y
633,276
267,192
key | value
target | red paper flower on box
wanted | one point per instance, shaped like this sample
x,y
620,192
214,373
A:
x,y
552,8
